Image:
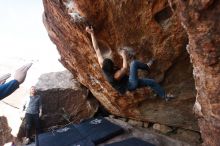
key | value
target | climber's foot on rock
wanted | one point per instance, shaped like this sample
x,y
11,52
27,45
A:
x,y
169,97
150,62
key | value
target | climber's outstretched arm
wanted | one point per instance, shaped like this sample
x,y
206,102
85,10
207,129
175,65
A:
x,y
120,73
95,45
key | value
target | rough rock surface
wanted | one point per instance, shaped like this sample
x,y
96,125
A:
x,y
151,29
162,128
64,99
201,20
5,131
192,137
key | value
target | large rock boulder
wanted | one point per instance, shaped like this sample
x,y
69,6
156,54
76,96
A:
x,y
64,99
5,131
201,20
151,29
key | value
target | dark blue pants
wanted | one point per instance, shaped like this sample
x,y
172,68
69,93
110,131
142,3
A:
x,y
8,88
134,82
32,119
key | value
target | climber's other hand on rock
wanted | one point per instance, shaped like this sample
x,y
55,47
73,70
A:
x,y
123,53
90,30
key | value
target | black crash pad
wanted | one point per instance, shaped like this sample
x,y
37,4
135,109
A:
x,y
98,129
67,136
131,142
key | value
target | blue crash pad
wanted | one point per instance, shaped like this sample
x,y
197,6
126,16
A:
x,y
67,136
98,129
87,133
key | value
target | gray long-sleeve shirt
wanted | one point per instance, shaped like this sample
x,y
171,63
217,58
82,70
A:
x,y
33,105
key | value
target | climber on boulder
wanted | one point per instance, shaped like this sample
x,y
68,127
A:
x,y
118,78
8,88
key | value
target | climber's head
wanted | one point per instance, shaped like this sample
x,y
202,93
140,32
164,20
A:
x,y
108,65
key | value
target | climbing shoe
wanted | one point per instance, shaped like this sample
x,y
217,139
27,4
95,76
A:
x,y
26,141
169,97
150,62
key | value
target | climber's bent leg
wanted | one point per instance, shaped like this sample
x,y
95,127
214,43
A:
x,y
133,76
152,84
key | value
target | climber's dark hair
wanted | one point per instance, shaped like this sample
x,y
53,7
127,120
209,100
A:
x,y
88,24
108,65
